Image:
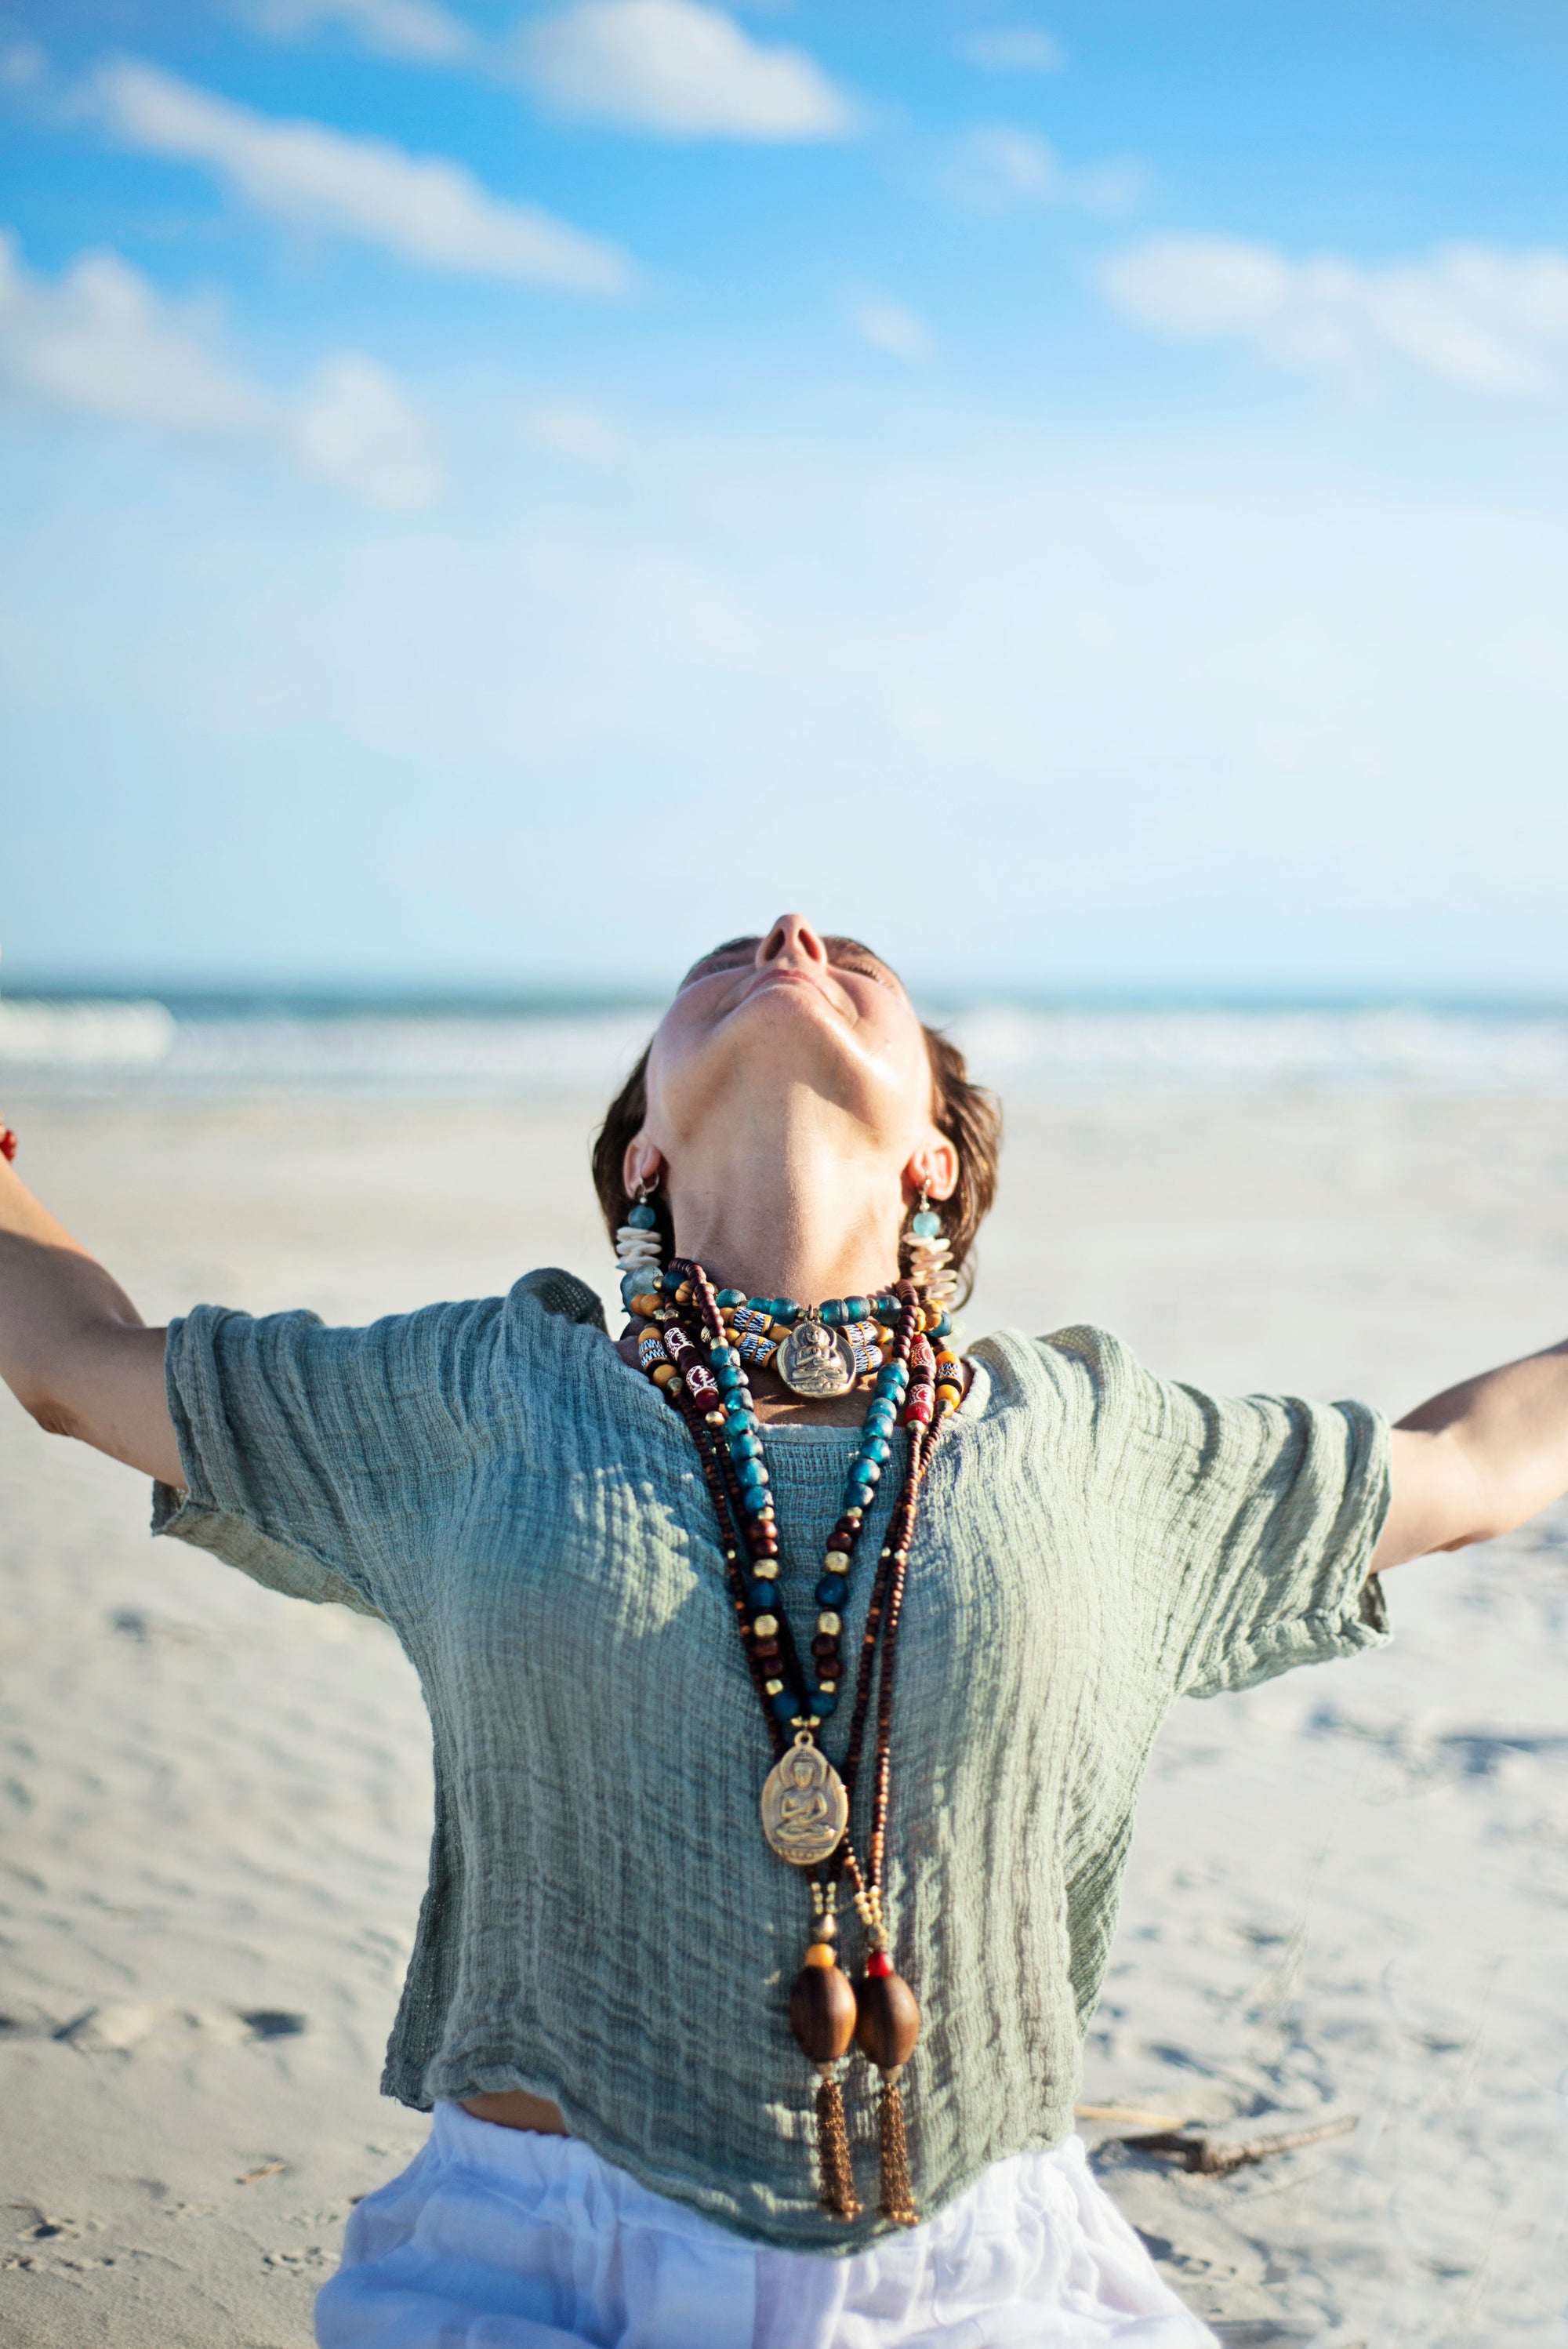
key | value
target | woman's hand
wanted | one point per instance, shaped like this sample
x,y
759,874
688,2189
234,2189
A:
x,y
1480,1460
74,1351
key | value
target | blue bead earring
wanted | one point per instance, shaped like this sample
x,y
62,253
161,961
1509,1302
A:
x,y
638,1247
928,1249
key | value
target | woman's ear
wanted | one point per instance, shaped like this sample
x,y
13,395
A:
x,y
936,1164
644,1162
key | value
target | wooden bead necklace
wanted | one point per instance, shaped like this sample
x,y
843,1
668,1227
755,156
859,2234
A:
x,y
692,1340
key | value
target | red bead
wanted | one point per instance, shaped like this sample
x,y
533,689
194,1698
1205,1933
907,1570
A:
x,y
824,1644
879,1965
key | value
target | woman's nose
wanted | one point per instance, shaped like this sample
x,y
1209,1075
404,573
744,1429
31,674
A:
x,y
791,939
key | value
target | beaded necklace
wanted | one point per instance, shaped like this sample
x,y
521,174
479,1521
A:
x,y
694,1344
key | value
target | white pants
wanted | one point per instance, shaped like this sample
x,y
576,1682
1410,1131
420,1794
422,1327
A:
x,y
496,2239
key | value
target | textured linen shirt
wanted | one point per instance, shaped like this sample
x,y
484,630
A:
x,y
604,1925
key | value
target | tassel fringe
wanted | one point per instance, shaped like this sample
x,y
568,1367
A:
x,y
896,2203
836,2177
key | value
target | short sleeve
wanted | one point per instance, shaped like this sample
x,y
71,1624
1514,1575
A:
x,y
1245,1525
316,1458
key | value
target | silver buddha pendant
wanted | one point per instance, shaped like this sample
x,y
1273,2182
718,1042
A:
x,y
815,1360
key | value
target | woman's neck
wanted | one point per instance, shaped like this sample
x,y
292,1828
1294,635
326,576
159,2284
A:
x,y
794,1205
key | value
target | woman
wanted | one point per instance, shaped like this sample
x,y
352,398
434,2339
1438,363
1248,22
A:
x,y
630,2002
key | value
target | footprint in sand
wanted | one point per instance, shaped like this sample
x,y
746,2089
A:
x,y
118,2029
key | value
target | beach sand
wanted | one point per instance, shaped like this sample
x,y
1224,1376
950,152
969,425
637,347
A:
x,y
1348,1890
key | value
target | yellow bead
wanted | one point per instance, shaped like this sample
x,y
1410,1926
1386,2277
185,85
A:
x,y
663,1374
766,1626
644,1305
821,1953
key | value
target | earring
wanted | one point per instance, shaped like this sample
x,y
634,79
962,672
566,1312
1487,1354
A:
x,y
929,1249
638,1247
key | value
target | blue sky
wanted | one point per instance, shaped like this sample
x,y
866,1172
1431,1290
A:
x,y
1076,495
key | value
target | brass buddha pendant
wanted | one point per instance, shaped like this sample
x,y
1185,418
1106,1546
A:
x,y
805,1809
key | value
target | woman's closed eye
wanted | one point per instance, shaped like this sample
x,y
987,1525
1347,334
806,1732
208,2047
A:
x,y
845,954
711,965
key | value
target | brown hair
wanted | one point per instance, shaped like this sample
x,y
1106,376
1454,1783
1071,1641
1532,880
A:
x,y
967,1114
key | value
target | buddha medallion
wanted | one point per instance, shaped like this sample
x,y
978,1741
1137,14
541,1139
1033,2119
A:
x,y
805,1809
815,1360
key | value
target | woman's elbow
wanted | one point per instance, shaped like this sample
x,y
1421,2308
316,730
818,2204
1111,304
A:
x,y
48,1409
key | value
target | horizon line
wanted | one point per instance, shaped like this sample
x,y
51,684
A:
x,y
327,998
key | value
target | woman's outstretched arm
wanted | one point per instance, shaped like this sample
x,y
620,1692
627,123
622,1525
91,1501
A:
x,y
1480,1460
74,1351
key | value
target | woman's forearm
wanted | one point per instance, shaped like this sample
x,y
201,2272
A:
x,y
74,1351
1478,1459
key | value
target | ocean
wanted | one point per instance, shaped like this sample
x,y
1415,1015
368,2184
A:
x,y
238,1043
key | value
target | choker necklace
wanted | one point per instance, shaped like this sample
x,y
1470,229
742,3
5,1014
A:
x,y
694,1343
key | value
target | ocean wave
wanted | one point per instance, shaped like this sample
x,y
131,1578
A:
x,y
69,1037
1421,1049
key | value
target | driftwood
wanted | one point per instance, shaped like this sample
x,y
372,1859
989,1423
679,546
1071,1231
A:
x,y
1210,2156
1128,2117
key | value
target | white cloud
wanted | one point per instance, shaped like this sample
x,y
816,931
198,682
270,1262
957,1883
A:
x,y
422,208
889,328
102,342
1022,48
675,67
418,30
1467,314
355,430
998,168
565,429
23,65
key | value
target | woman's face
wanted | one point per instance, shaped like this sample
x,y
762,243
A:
x,y
763,1017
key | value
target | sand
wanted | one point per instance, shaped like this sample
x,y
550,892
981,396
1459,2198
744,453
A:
x,y
1348,1889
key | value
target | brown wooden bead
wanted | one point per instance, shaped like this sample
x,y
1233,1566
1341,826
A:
x,y
822,2012
887,2021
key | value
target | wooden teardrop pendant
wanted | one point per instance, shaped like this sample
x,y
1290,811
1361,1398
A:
x,y
822,2011
887,2018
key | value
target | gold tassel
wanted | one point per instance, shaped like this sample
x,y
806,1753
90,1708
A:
x,y
897,2200
836,2175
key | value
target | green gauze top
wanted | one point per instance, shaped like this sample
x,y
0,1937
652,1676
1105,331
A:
x,y
604,1924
